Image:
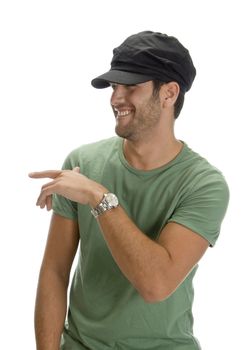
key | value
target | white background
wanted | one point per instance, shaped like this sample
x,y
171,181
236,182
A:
x,y
50,50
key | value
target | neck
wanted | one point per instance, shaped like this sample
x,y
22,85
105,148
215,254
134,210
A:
x,y
151,154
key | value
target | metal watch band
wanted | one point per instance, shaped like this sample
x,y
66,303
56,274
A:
x,y
108,202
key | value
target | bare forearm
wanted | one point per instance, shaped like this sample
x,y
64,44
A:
x,y
143,261
50,311
156,269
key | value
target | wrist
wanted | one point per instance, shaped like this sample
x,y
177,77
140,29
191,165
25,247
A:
x,y
96,195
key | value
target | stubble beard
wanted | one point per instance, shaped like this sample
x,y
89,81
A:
x,y
144,120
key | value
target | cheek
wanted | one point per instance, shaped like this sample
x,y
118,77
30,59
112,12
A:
x,y
112,99
144,104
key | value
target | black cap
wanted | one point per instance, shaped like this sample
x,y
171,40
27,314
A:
x,y
149,56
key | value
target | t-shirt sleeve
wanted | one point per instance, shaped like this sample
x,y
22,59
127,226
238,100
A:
x,y
204,207
60,204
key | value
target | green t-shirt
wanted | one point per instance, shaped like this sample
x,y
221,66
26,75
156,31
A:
x,y
105,310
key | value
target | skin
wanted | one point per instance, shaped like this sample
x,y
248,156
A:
x,y
155,268
143,117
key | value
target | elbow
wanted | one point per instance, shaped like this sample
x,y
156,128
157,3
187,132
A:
x,y
156,294
153,298
157,286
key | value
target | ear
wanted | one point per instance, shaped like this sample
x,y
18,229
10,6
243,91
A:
x,y
169,93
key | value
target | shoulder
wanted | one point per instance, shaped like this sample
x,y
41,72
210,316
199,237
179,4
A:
x,y
208,190
203,173
88,152
98,146
205,196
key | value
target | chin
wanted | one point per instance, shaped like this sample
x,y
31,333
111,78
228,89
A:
x,y
127,136
121,133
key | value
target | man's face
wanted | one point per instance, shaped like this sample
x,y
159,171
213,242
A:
x,y
136,110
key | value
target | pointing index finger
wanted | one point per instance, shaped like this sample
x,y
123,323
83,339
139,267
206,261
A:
x,y
46,173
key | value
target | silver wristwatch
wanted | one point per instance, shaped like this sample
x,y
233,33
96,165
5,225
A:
x,y
108,202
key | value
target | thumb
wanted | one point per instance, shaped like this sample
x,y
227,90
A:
x,y
76,169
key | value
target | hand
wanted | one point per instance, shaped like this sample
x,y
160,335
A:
x,y
69,184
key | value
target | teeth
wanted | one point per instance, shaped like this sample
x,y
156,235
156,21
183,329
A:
x,y
122,113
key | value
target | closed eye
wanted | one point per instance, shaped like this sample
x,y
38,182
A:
x,y
113,85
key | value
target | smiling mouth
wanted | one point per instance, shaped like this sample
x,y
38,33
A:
x,y
122,113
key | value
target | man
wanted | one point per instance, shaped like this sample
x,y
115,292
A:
x,y
144,208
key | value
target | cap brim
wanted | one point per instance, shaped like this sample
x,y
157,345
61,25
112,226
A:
x,y
119,77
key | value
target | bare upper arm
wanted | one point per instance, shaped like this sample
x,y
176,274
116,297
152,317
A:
x,y
61,246
185,248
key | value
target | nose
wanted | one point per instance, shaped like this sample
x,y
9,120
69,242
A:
x,y
118,95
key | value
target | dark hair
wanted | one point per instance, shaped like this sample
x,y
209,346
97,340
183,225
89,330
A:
x,y
178,103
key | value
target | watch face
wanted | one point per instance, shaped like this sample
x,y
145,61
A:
x,y
112,199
